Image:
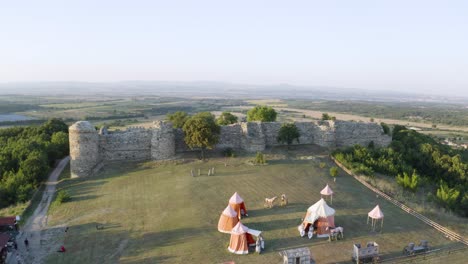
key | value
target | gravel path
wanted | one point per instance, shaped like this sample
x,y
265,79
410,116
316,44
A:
x,y
42,241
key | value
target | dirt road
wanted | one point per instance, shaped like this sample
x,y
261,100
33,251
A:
x,y
42,241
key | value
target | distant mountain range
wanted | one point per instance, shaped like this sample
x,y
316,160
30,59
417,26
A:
x,y
217,89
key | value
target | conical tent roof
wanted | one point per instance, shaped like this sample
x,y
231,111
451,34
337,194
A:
x,y
319,209
239,229
326,191
376,213
229,212
236,199
227,220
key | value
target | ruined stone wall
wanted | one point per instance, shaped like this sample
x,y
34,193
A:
x,y
230,137
88,148
84,149
351,133
307,131
131,144
252,138
324,134
162,141
270,131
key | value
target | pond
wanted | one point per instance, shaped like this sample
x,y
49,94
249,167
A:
x,y
14,117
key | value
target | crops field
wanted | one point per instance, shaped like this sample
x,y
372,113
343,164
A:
x,y
158,213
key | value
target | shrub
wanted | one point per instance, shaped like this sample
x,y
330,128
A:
x,y
259,158
334,171
62,197
322,165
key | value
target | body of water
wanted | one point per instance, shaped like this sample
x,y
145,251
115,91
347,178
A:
x,y
14,117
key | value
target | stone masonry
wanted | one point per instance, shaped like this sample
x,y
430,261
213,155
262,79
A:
x,y
90,148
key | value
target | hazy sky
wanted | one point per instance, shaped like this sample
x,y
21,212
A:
x,y
419,46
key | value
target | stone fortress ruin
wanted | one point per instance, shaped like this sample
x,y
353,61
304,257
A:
x,y
90,149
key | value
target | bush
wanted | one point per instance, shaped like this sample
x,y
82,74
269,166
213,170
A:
x,y
62,197
259,158
334,171
322,165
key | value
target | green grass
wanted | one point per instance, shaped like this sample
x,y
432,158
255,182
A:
x,y
158,213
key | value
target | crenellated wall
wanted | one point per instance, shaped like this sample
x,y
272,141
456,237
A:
x,y
89,148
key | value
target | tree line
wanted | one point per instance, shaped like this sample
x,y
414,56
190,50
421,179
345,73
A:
x,y
415,160
26,156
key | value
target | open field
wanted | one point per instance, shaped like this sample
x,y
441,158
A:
x,y
157,213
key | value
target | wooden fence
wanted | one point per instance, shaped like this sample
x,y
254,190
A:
x,y
447,232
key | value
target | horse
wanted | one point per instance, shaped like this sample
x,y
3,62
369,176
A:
x,y
269,202
339,231
284,200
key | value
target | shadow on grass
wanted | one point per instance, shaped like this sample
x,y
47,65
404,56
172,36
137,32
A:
x,y
290,208
275,224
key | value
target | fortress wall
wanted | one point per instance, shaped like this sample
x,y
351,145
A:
x,y
324,134
230,137
88,148
252,139
307,130
84,149
132,144
162,141
270,131
351,133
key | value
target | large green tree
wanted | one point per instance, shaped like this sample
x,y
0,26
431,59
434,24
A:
x,y
178,118
262,113
288,133
226,118
201,131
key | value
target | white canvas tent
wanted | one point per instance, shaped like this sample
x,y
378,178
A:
x,y
375,215
321,217
327,191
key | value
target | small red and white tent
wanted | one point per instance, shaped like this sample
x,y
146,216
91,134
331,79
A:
x,y
327,191
227,220
321,217
241,239
375,215
237,203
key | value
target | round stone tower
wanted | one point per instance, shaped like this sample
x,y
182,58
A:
x,y
162,141
84,149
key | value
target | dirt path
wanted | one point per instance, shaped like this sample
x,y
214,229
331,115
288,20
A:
x,y
41,241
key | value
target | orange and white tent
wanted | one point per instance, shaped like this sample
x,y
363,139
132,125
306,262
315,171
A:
x,y
321,217
241,239
327,191
227,220
237,203
375,215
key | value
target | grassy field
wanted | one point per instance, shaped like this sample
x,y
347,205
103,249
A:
x,y
157,213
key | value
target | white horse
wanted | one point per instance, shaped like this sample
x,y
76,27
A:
x,y
269,202
338,231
